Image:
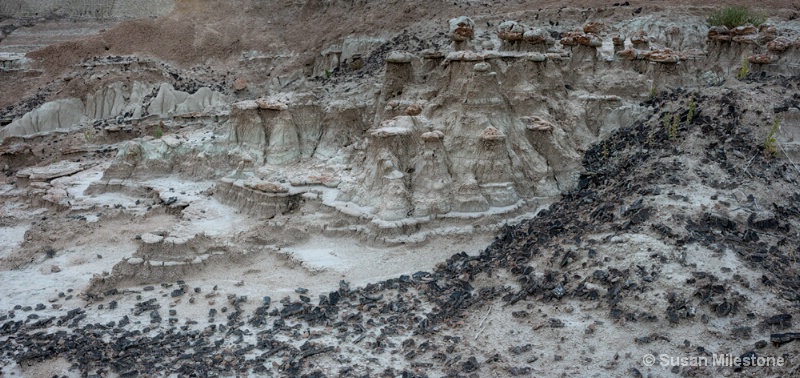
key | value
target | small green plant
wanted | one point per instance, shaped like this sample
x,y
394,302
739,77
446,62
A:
x,y
327,74
606,153
734,16
690,116
89,135
745,70
653,92
665,121
673,130
159,130
771,143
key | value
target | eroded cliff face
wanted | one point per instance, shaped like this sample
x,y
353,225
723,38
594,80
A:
x,y
619,156
388,139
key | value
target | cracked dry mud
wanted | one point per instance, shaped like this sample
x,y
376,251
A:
x,y
246,188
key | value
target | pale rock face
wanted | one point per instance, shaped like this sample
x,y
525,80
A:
x,y
248,129
170,101
283,134
166,100
284,143
468,154
127,160
203,100
114,100
117,98
54,115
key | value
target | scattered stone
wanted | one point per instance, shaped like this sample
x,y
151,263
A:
x,y
413,110
240,84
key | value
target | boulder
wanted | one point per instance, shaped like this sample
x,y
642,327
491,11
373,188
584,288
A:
x,y
662,56
465,56
432,136
268,104
392,127
399,57
629,54
510,31
779,45
767,33
618,40
536,123
240,84
491,134
760,58
580,38
535,36
537,57
594,27
640,40
746,29
413,110
718,33
264,186
461,29
591,40
571,38
481,67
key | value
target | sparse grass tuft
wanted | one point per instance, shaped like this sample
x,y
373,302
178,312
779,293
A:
x,y
89,135
771,143
734,16
690,116
673,131
745,70
666,122
159,130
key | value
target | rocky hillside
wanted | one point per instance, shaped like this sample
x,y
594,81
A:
x,y
285,189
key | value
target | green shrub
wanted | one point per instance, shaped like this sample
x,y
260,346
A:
x,y
734,16
159,130
673,131
771,143
745,70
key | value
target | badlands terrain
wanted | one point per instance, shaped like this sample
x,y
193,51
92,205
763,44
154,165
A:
x,y
314,188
